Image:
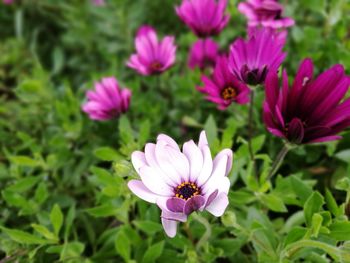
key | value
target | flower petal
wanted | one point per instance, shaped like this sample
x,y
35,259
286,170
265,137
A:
x,y
170,227
218,205
140,190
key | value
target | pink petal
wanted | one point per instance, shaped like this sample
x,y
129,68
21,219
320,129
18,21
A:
x,y
140,190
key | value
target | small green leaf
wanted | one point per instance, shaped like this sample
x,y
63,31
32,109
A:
x,y
148,227
340,230
332,204
316,224
42,230
107,154
211,129
122,245
154,252
312,205
23,184
24,161
56,218
274,202
23,237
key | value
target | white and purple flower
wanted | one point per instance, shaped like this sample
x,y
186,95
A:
x,y
181,182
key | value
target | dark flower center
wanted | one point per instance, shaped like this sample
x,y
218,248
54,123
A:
x,y
228,93
156,65
253,76
186,190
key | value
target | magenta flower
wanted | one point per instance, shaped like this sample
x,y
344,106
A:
x,y
204,17
107,101
99,2
203,54
311,110
224,88
181,182
266,13
250,61
153,56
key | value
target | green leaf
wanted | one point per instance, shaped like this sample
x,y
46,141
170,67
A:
x,y
25,161
125,131
312,205
148,227
258,142
69,221
122,245
274,202
144,133
332,204
56,218
23,184
316,224
340,230
107,154
23,237
301,189
41,193
211,129
153,253
102,210
42,230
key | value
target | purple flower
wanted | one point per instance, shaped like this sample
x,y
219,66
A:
x,y
99,2
181,182
224,88
107,101
204,17
311,110
250,61
203,54
266,13
153,56
8,2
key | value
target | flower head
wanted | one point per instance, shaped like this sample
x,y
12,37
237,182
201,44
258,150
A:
x,y
251,60
204,17
266,13
107,101
99,2
311,110
153,56
203,54
223,87
181,182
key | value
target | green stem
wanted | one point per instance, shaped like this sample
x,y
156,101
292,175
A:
x,y
291,249
250,125
207,232
278,161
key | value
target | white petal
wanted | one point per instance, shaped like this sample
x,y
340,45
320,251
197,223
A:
x,y
173,162
222,185
140,190
202,139
138,160
195,158
150,156
154,181
170,141
218,205
170,227
224,153
207,166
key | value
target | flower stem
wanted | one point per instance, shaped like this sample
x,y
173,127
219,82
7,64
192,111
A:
x,y
207,232
250,125
278,161
291,249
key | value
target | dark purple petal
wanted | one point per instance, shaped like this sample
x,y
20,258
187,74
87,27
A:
x,y
193,204
295,131
175,204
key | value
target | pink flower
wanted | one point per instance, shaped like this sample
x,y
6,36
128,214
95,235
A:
x,y
311,110
251,60
8,2
266,13
153,56
107,101
204,17
224,88
181,182
98,2
203,54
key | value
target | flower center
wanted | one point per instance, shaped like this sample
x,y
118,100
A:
x,y
186,190
228,93
156,65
